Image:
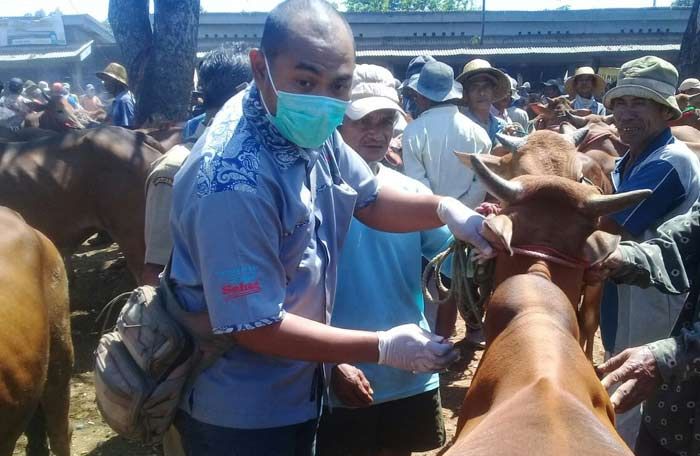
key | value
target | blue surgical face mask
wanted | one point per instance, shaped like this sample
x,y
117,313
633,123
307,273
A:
x,y
306,120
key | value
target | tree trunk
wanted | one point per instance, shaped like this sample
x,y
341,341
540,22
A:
x,y
132,32
689,58
169,75
160,61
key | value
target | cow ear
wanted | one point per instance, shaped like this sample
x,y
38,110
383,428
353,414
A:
x,y
498,231
599,246
538,108
494,163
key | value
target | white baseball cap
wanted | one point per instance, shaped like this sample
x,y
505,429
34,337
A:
x,y
373,89
690,83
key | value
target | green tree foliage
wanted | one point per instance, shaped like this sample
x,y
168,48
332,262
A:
x,y
682,3
407,5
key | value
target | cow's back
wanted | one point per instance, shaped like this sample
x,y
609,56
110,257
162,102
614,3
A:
x,y
534,391
33,305
69,186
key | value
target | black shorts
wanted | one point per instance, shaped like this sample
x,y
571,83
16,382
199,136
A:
x,y
411,424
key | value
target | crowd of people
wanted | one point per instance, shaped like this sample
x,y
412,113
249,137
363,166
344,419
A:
x,y
113,105
306,196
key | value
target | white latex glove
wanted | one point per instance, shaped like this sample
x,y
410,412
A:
x,y
465,224
411,348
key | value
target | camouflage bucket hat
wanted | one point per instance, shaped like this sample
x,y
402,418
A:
x,y
647,77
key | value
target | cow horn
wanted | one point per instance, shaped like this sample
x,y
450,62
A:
x,y
513,143
577,137
576,121
608,204
506,191
550,101
609,119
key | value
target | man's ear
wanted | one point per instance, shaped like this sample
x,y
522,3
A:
x,y
258,66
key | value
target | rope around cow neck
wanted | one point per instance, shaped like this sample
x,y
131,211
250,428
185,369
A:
x,y
472,282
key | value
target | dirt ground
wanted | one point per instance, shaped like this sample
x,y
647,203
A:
x,y
100,275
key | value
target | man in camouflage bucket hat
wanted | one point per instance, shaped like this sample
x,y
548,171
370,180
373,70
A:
x,y
642,103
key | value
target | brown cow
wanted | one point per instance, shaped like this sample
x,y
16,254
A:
x,y
36,352
552,113
545,153
542,153
534,391
70,186
57,115
24,134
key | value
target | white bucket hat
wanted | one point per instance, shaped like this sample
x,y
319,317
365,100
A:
x,y
373,89
647,77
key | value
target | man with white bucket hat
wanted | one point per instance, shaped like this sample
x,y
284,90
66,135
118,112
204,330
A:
x,y
642,103
583,87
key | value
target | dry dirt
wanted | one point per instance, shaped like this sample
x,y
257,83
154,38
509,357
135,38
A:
x,y
100,275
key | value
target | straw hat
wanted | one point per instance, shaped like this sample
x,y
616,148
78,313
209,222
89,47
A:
x,y
478,67
647,77
115,72
598,81
373,89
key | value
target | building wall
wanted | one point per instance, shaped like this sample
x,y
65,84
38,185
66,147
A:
x,y
625,25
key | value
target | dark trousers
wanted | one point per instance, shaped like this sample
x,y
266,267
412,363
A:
x,y
202,439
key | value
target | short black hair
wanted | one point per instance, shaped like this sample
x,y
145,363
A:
x,y
221,72
279,23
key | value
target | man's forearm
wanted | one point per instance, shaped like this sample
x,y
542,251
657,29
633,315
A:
x,y
399,211
307,340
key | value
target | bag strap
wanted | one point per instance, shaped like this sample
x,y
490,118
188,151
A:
x,y
208,346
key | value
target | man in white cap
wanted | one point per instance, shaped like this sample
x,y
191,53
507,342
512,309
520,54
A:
x,y
690,86
377,409
642,104
430,141
583,86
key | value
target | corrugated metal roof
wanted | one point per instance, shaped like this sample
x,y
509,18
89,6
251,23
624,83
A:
x,y
519,50
45,52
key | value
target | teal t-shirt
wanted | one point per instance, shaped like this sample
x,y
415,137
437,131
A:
x,y
379,287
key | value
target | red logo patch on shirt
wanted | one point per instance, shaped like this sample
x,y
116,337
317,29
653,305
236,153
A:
x,y
237,290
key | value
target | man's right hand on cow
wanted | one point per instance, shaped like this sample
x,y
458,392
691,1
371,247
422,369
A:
x,y
351,386
411,348
465,224
636,371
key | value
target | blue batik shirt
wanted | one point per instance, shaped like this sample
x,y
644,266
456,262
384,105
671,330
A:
x,y
258,224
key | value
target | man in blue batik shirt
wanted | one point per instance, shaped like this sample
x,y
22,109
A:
x,y
260,212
